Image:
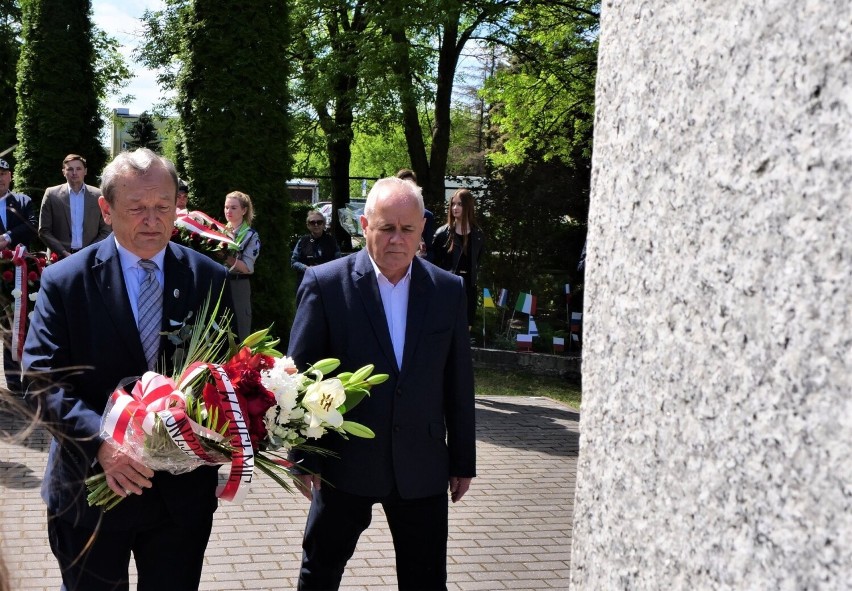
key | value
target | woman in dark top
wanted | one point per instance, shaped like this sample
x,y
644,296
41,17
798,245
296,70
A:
x,y
315,247
458,245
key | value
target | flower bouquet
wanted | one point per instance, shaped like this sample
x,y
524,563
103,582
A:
x,y
202,233
242,410
20,277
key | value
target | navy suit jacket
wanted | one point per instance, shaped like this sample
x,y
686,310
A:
x,y
81,343
20,219
423,416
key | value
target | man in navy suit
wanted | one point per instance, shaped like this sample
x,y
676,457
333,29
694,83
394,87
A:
x,y
17,226
387,307
83,341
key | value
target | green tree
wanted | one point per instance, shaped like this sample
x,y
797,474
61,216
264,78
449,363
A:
x,y
112,74
543,96
326,43
57,90
443,29
144,134
542,106
10,25
232,100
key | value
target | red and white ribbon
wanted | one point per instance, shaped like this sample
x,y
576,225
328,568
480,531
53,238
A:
x,y
202,224
234,485
19,316
156,396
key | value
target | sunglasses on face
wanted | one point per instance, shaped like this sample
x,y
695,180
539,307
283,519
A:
x,y
317,222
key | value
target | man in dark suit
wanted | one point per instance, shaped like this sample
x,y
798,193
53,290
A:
x,y
83,341
427,251
17,226
386,307
70,217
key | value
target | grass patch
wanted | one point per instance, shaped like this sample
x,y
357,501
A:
x,y
492,382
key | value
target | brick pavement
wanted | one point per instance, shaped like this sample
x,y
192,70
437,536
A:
x,y
511,531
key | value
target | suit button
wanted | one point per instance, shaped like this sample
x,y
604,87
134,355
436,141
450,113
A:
x,y
396,428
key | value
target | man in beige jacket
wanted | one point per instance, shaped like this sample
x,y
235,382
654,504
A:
x,y
70,217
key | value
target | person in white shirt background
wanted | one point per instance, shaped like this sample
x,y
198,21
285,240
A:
x,y
70,218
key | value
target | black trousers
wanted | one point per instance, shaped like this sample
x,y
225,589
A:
x,y
168,557
336,520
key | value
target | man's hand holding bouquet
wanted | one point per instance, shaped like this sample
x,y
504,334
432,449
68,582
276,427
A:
x,y
239,406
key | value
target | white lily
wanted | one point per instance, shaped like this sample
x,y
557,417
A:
x,y
322,400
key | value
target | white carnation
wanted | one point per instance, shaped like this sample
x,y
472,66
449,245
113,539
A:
x,y
283,384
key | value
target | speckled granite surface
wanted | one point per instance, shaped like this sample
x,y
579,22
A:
x,y
716,429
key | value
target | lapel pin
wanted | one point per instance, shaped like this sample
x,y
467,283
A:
x,y
177,293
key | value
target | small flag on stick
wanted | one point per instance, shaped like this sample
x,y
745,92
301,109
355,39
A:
x,y
558,344
503,298
524,342
576,320
574,327
487,301
526,303
533,331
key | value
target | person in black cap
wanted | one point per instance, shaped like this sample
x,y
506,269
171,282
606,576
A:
x,y
18,227
182,197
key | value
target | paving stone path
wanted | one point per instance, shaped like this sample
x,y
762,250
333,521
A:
x,y
511,531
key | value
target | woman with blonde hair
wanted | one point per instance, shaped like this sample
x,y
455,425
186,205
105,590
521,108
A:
x,y
239,212
458,245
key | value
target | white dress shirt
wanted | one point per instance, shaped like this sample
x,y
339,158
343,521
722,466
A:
x,y
395,303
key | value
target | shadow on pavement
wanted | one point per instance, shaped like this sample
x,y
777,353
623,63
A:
x,y
528,426
13,426
15,475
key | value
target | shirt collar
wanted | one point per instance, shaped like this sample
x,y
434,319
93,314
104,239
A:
x,y
130,260
71,190
405,277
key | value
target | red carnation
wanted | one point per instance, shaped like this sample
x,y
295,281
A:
x,y
213,400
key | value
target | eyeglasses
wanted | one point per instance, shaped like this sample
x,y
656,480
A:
x,y
317,222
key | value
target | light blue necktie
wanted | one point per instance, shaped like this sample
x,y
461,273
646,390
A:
x,y
150,312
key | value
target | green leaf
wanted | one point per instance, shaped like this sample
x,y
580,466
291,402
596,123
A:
x,y
325,366
362,374
377,379
353,397
358,430
255,338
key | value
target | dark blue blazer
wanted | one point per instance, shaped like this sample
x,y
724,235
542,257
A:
x,y
423,416
81,343
20,220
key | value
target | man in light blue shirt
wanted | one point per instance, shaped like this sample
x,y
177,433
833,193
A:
x,y
70,218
